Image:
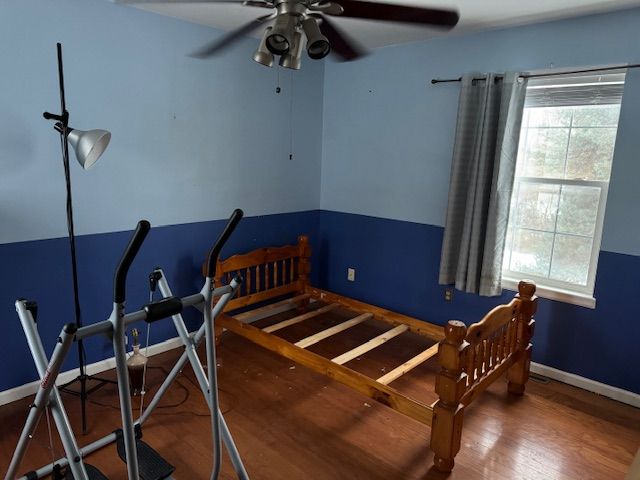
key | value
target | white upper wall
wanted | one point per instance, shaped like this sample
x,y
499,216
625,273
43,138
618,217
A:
x,y
192,139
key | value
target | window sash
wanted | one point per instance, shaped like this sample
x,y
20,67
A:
x,y
588,289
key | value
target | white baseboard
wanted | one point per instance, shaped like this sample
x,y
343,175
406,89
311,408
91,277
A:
x,y
614,393
23,391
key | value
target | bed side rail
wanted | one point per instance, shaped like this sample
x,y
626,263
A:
x,y
268,272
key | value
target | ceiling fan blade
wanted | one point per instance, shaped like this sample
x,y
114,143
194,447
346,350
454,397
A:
x,y
248,3
399,13
174,2
226,40
341,44
257,3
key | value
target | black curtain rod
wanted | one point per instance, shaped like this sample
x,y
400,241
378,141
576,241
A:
x,y
539,75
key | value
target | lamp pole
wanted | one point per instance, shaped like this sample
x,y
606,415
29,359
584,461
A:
x,y
62,126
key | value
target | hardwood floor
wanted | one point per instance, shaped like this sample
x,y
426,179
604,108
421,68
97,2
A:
x,y
291,424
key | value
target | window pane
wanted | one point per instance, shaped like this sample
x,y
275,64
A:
x,y
545,152
578,210
531,252
596,116
571,258
549,117
537,205
590,153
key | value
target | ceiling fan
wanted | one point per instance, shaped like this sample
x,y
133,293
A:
x,y
296,23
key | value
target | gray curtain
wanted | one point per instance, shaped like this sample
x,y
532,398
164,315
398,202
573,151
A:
x,y
482,170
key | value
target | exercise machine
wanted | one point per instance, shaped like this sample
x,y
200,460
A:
x,y
141,460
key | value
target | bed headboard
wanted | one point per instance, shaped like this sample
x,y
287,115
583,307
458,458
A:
x,y
267,272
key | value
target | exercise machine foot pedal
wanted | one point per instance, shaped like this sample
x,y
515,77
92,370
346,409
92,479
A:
x,y
92,472
150,464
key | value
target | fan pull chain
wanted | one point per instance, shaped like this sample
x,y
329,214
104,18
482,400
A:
x,y
291,116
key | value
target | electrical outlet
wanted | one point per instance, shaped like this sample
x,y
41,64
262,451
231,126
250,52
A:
x,y
448,295
351,274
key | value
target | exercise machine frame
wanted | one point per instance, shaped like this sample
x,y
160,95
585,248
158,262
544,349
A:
x,y
115,326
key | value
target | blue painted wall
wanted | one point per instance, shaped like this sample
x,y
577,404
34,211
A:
x,y
387,148
191,141
388,133
397,265
40,270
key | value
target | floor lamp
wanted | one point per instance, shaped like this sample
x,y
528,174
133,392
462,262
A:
x,y
88,146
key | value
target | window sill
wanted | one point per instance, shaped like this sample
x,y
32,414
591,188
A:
x,y
552,293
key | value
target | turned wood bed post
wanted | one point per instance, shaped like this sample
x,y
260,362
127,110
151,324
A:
x,y
451,384
304,267
518,373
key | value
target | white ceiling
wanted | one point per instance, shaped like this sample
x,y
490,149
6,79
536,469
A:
x,y
475,15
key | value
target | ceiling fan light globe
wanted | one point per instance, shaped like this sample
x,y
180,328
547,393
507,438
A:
x,y
280,39
262,54
264,58
318,49
293,58
318,45
277,44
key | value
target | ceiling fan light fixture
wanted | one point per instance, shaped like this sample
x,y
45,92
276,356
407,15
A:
x,y
280,39
293,58
318,45
262,54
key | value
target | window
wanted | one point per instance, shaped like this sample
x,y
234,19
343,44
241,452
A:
x,y
568,134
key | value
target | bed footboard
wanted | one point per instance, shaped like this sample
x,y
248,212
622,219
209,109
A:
x,y
472,359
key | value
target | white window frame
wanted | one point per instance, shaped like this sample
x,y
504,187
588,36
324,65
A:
x,y
556,289
582,295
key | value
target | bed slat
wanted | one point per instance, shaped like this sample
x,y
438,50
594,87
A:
x,y
370,345
268,310
262,296
359,382
313,339
300,318
409,365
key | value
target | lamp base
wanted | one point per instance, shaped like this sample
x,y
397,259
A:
x,y
84,392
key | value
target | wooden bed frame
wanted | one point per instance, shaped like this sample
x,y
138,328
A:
x,y
470,359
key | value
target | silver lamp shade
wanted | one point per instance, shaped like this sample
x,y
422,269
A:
x,y
293,58
263,55
88,145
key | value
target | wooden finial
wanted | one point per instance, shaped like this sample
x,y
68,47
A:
x,y
303,240
526,289
455,332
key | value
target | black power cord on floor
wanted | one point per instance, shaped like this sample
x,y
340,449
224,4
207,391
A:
x,y
187,394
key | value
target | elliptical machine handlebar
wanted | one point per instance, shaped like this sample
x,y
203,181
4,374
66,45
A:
x,y
120,278
234,219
